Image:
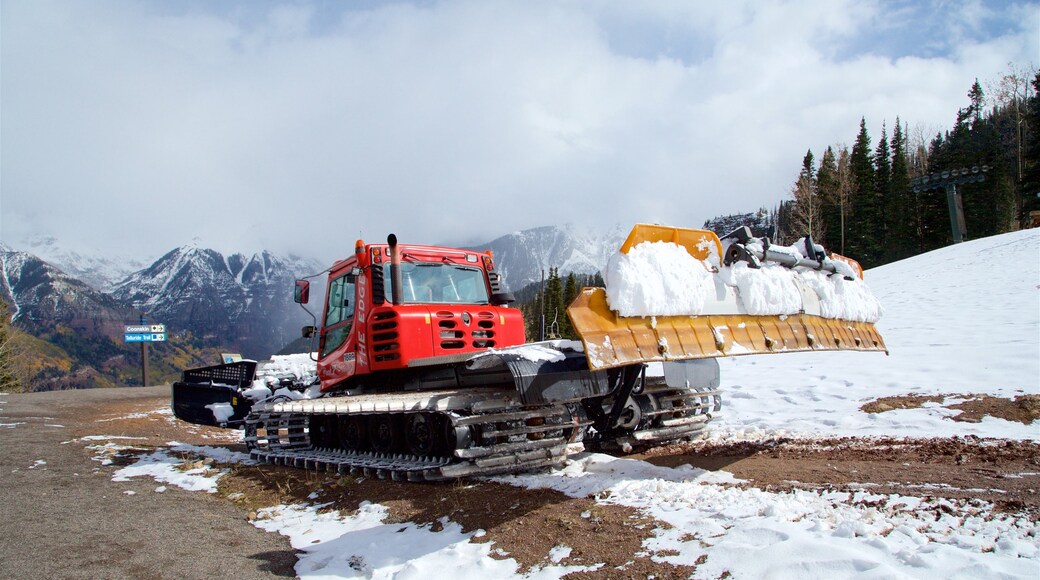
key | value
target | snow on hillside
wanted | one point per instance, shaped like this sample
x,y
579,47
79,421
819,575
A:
x,y
522,257
958,321
92,266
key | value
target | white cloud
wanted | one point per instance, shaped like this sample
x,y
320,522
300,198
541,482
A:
x,y
299,127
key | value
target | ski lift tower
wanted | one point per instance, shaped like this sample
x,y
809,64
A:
x,y
949,180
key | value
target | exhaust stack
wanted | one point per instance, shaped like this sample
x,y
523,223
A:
x,y
395,270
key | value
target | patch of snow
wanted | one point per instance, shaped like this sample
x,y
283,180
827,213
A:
x,y
163,467
222,412
364,545
102,438
751,533
559,553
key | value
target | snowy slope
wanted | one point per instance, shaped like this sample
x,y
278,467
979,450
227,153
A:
x,y
960,320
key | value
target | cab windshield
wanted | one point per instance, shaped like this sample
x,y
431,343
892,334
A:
x,y
438,283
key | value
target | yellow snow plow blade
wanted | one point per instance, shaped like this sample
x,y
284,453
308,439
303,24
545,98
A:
x,y
611,340
700,244
722,302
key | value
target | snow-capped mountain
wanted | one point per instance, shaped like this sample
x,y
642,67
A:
x,y
95,268
521,256
235,301
762,223
40,296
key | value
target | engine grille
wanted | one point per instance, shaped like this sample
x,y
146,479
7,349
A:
x,y
457,331
385,346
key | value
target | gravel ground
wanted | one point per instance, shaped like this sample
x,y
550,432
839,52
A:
x,y
66,518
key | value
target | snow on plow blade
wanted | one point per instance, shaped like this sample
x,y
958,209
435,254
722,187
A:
x,y
677,294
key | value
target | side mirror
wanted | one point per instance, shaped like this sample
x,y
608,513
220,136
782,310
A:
x,y
308,331
502,298
302,292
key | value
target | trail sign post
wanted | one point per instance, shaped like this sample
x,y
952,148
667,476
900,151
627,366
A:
x,y
144,333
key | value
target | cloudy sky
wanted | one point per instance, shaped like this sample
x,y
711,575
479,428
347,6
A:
x,y
134,126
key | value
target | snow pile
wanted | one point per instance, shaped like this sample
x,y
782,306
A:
x,y
663,279
544,351
765,291
843,298
221,412
297,369
958,321
657,279
299,366
752,533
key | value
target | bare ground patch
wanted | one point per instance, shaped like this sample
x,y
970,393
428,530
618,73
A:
x,y
1006,473
899,402
1024,408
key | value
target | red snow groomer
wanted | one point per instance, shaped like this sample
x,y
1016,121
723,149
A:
x,y
425,372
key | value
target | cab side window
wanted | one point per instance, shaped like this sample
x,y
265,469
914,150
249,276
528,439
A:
x,y
339,314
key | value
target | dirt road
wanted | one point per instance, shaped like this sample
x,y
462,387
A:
x,y
66,518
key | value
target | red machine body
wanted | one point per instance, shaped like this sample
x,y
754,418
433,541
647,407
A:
x,y
395,306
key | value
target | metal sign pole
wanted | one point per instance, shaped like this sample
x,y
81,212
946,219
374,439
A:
x,y
144,358
144,333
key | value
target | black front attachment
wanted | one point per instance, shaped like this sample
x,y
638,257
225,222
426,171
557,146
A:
x,y
212,395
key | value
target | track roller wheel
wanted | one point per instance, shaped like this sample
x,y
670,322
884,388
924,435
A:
x,y
421,434
323,432
384,432
353,433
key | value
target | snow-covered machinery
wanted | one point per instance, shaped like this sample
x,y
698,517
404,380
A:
x,y
423,371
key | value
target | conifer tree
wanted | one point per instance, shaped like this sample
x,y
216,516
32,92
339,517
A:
x,y
846,189
862,238
1030,185
805,213
570,292
554,312
9,381
883,192
978,102
827,185
903,213
934,220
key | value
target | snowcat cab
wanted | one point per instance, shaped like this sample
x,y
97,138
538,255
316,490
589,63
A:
x,y
394,309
